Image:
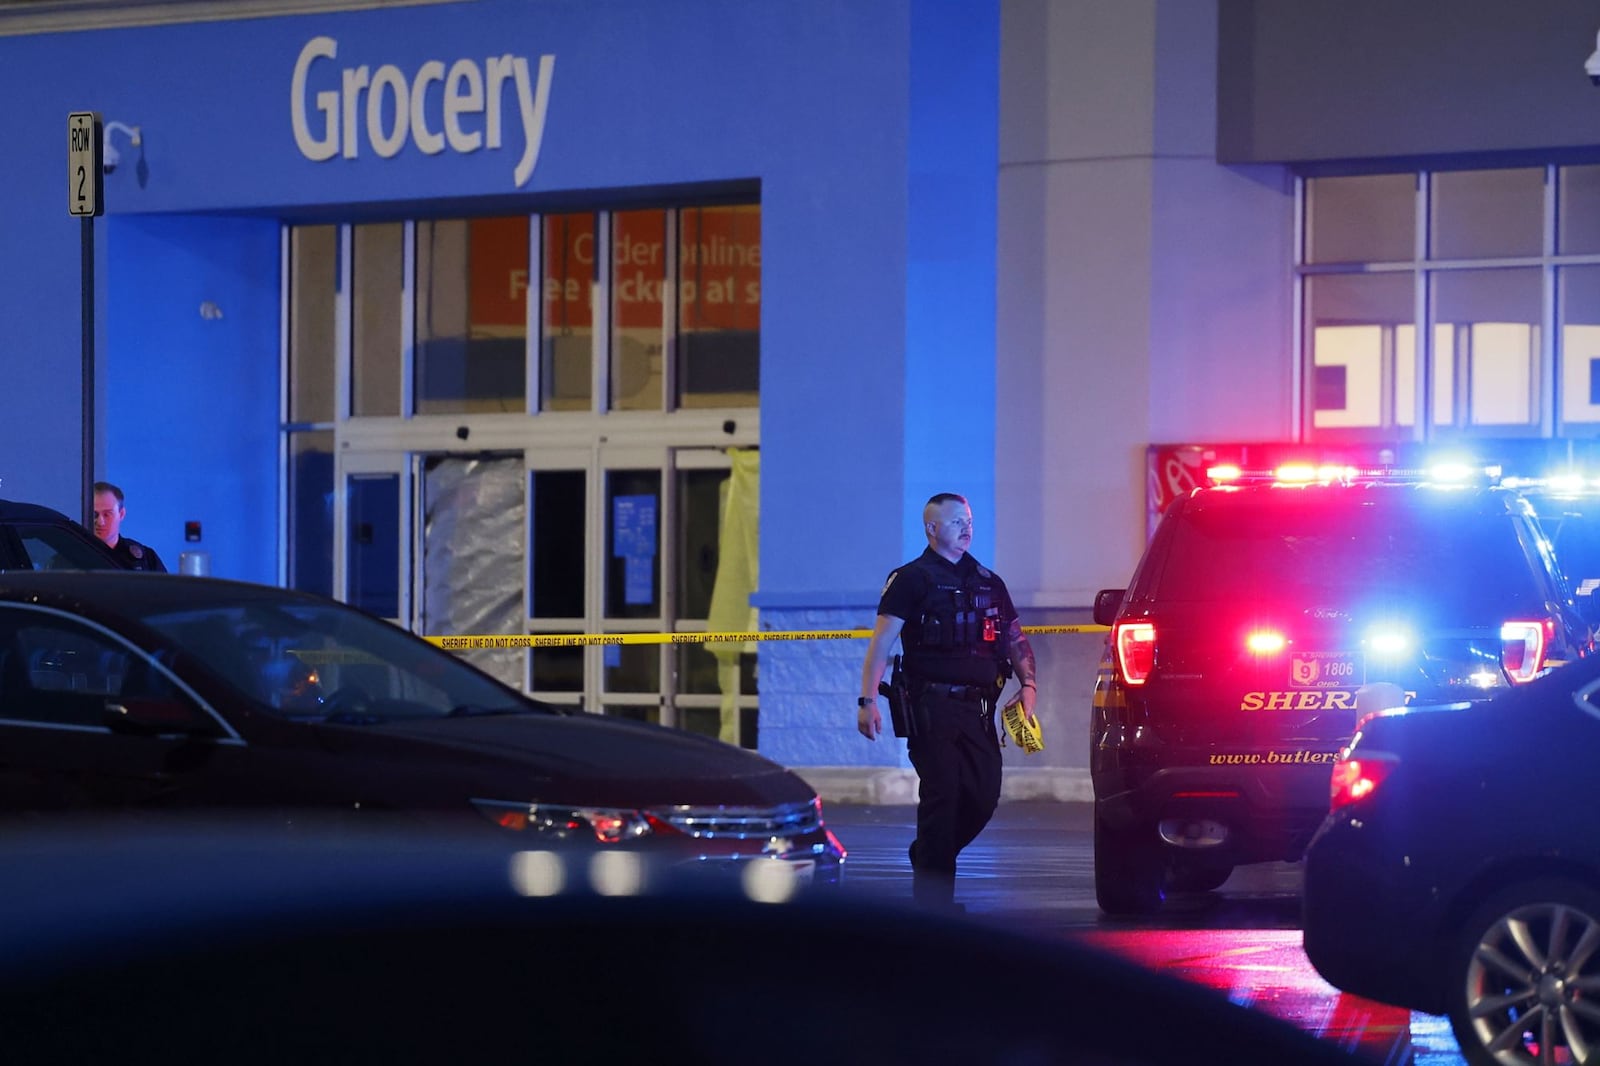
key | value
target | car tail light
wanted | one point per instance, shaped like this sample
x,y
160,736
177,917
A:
x,y
1357,778
1522,648
1136,650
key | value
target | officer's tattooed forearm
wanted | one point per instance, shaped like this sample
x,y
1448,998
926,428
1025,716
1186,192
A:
x,y
1021,652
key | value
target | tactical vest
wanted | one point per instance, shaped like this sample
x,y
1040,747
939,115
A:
x,y
958,635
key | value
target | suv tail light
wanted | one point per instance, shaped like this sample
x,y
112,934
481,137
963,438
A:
x,y
1357,778
1136,650
1522,648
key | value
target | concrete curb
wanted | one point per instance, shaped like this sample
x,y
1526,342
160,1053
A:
x,y
898,785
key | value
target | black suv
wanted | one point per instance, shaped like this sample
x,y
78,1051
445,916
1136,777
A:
x,y
1263,617
38,538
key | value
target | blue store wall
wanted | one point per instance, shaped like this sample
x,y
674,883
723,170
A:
x,y
870,128
192,400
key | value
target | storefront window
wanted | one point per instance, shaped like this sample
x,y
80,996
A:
x,y
1580,345
566,366
719,306
377,291
1479,214
1486,339
1352,325
313,322
311,511
1578,218
638,323
472,315
1369,218
1509,252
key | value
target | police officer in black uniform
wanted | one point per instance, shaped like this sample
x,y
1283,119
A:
x,y
962,639
108,515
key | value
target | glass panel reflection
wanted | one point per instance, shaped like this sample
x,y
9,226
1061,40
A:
x,y
719,306
1480,213
313,335
1370,218
697,671
1486,323
372,559
472,315
557,500
633,544
568,351
557,669
1353,323
638,324
632,667
634,712
311,512
1578,215
1580,344
377,264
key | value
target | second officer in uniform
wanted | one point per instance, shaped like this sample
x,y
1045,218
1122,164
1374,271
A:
x,y
962,639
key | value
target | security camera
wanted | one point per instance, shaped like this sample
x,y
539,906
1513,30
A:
x,y
1591,66
110,156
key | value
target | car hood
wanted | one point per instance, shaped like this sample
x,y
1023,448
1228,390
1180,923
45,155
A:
x,y
580,758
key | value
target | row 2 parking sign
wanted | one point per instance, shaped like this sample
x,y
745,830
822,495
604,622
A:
x,y
85,178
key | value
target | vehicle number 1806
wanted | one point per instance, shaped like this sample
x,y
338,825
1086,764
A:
x,y
1324,670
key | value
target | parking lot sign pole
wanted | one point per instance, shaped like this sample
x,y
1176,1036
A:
x,y
86,199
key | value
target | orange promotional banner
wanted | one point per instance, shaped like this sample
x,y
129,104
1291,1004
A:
x,y
497,252
719,268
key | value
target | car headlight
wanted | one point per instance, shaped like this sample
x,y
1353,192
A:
x,y
556,821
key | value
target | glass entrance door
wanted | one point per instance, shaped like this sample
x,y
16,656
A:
x,y
635,535
621,540
372,526
560,515
470,554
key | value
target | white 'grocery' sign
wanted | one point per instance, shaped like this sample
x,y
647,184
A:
x,y
470,98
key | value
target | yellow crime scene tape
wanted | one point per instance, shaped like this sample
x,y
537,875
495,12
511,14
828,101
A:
x,y
572,640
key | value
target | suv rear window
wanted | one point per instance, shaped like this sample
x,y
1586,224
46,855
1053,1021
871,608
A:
x,y
1292,547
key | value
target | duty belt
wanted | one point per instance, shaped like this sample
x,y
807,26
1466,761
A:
x,y
966,693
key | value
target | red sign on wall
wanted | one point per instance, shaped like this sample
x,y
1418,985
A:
x,y
1173,470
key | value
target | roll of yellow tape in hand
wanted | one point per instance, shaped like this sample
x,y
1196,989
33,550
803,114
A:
x,y
1023,727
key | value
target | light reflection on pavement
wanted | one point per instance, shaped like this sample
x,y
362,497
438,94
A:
x,y
1033,868
1267,970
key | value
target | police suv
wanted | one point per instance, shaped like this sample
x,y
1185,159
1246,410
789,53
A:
x,y
1265,615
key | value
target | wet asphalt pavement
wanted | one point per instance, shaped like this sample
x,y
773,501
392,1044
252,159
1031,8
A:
x,y
1032,869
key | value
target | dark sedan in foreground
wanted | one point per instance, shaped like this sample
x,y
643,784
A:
x,y
163,693
1458,871
204,947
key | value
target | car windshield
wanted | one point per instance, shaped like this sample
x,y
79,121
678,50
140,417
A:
x,y
1464,563
315,661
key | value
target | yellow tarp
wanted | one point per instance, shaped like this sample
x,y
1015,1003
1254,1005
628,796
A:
x,y
738,560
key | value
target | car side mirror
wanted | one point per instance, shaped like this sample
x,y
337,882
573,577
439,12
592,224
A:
x,y
149,717
1107,602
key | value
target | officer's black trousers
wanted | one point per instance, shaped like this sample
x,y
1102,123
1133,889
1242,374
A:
x,y
957,758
